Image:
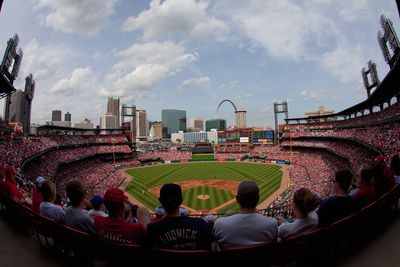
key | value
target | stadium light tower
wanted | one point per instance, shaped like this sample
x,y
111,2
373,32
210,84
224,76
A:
x,y
279,107
373,77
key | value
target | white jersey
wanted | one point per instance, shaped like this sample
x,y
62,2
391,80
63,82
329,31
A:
x,y
298,226
245,229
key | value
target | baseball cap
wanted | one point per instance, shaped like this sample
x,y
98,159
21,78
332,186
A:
x,y
159,211
97,200
171,194
39,181
379,158
115,195
183,212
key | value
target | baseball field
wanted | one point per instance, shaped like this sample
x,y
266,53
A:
x,y
207,187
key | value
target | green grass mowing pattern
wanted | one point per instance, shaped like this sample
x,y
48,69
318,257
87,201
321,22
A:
x,y
267,177
217,197
203,156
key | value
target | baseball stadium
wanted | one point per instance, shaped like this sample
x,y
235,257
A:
x,y
86,168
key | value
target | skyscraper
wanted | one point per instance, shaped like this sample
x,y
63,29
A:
x,y
56,115
113,108
67,116
141,125
173,120
20,108
108,121
241,120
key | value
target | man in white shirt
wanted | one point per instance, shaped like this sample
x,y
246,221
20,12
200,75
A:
x,y
248,227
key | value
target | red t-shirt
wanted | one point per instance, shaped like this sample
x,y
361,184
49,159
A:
x,y
37,198
12,190
120,231
156,219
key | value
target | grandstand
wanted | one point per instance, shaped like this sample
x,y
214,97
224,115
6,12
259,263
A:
x,y
313,149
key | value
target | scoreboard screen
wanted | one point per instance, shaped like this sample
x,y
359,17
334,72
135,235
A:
x,y
263,137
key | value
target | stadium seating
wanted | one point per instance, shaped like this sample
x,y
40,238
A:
x,y
306,247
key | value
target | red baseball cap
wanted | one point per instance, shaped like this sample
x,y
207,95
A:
x,y
115,195
379,158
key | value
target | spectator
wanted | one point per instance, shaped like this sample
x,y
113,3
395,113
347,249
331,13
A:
x,y
115,228
159,212
395,167
341,204
210,220
9,186
183,212
366,193
75,216
382,183
247,227
98,207
47,208
37,197
304,204
176,231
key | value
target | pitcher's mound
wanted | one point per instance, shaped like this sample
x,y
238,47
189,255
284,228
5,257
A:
x,y
203,197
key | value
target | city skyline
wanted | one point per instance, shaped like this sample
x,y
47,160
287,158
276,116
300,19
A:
x,y
309,54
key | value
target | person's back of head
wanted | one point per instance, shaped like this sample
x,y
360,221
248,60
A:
x,y
395,165
75,192
171,198
97,201
248,195
344,179
114,200
305,201
48,190
366,175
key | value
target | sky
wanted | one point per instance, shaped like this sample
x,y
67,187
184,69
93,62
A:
x,y
191,55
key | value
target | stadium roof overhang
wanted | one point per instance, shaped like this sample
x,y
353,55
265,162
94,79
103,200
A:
x,y
53,128
387,89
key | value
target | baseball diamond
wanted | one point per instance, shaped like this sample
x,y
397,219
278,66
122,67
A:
x,y
218,180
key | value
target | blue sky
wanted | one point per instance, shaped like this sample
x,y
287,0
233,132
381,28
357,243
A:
x,y
190,55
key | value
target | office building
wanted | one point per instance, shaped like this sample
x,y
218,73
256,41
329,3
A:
x,y
141,125
196,124
241,118
113,108
218,124
20,108
56,115
173,121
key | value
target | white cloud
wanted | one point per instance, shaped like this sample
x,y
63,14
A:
x,y
143,66
177,18
228,85
286,29
196,83
353,10
317,95
344,62
80,81
86,17
42,61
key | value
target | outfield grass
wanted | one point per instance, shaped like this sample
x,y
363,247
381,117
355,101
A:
x,y
203,156
267,177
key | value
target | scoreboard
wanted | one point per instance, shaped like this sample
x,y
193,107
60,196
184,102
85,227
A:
x,y
263,137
